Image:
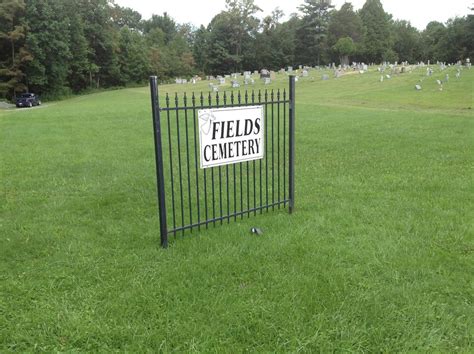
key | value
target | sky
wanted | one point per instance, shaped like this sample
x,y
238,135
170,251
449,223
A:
x,y
197,12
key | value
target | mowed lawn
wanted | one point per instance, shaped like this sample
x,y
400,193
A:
x,y
378,255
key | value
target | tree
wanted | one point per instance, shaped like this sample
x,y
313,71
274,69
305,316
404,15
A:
x,y
457,42
344,47
406,41
13,54
377,41
312,45
165,23
345,23
431,38
124,16
232,36
132,57
102,38
48,42
80,67
201,49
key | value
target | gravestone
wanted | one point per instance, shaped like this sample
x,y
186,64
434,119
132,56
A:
x,y
268,81
325,77
418,87
221,81
235,84
305,73
264,73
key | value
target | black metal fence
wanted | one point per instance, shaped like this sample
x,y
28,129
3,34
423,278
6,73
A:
x,y
191,198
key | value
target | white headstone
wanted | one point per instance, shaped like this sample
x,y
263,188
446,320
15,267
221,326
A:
x,y
418,87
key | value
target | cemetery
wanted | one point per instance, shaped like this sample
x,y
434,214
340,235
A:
x,y
378,168
254,184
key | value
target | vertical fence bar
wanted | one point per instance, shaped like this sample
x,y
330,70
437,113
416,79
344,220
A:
x,y
260,161
254,179
185,102
273,151
170,148
291,145
201,100
180,172
266,148
234,169
227,175
196,162
284,147
239,101
160,180
278,145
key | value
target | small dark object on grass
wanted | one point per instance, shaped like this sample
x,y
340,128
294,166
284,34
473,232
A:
x,y
256,230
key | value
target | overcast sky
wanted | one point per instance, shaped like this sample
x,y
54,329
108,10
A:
x,y
197,12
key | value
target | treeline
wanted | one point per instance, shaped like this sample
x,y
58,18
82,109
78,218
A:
x,y
55,47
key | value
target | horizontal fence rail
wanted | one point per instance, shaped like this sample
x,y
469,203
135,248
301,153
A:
x,y
191,198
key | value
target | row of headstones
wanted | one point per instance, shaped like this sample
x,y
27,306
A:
x,y
439,82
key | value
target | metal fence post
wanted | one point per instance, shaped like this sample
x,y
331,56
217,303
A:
x,y
291,177
160,182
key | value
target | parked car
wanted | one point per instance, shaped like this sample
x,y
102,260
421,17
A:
x,y
28,100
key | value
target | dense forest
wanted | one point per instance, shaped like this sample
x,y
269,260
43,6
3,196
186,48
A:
x,y
57,47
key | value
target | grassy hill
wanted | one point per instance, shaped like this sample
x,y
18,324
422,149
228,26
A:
x,y
377,257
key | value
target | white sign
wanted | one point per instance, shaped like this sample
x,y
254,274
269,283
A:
x,y
230,135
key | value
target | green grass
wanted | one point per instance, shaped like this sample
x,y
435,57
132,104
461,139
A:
x,y
378,255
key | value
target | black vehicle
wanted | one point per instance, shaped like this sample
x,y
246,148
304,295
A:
x,y
28,100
